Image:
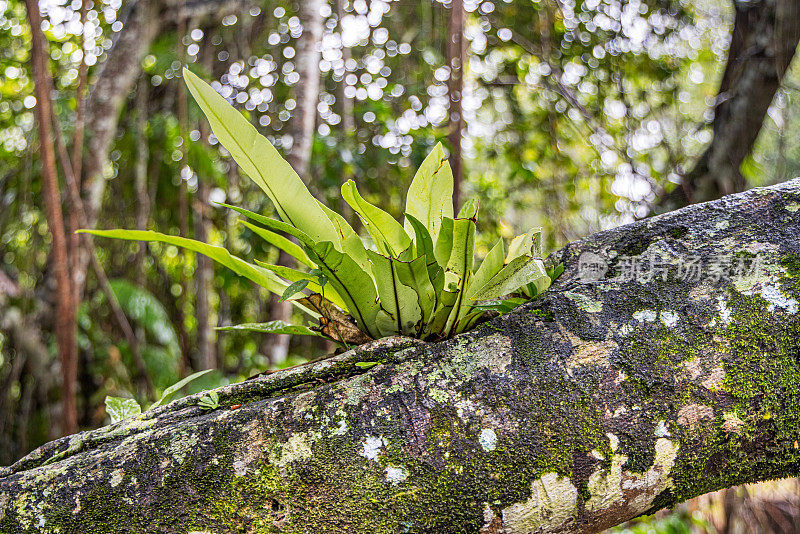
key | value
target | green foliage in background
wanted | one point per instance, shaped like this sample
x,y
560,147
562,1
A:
x,y
118,408
416,279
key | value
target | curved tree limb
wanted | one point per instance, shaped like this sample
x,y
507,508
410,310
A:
x,y
600,401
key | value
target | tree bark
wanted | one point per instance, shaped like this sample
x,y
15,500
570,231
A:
x,y
604,399
764,41
456,55
65,318
301,128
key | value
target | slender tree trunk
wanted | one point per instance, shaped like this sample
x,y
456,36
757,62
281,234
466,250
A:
x,y
204,273
65,324
140,173
301,128
348,116
77,156
456,53
115,80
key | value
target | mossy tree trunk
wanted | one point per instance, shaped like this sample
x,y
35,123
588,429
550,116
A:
x,y
600,401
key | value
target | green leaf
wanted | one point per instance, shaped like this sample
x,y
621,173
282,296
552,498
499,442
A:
x,y
293,288
469,210
178,385
210,401
258,275
293,275
262,162
352,245
271,327
398,300
430,195
490,266
444,308
118,408
389,235
500,305
444,243
274,225
525,244
415,275
354,285
522,270
459,266
292,249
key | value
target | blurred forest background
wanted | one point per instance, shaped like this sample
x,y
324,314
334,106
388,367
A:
x,y
573,115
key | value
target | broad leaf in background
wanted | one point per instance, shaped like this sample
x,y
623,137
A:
x,y
118,408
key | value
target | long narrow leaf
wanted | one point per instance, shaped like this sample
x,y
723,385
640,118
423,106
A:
x,y
271,327
389,235
415,275
491,265
430,195
292,249
178,385
219,254
262,162
352,245
459,265
293,275
522,270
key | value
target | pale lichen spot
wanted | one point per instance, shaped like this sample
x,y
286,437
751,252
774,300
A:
x,y
714,380
645,316
553,501
724,311
776,298
793,207
396,474
372,447
669,318
591,353
342,429
615,487
488,440
722,225
116,477
585,303
296,449
661,430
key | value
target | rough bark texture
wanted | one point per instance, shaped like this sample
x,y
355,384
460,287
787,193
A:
x,y
598,402
763,43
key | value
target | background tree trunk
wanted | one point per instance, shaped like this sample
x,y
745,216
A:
x,y
456,56
301,128
764,41
606,398
64,318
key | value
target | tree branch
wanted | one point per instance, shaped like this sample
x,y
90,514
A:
x,y
596,403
